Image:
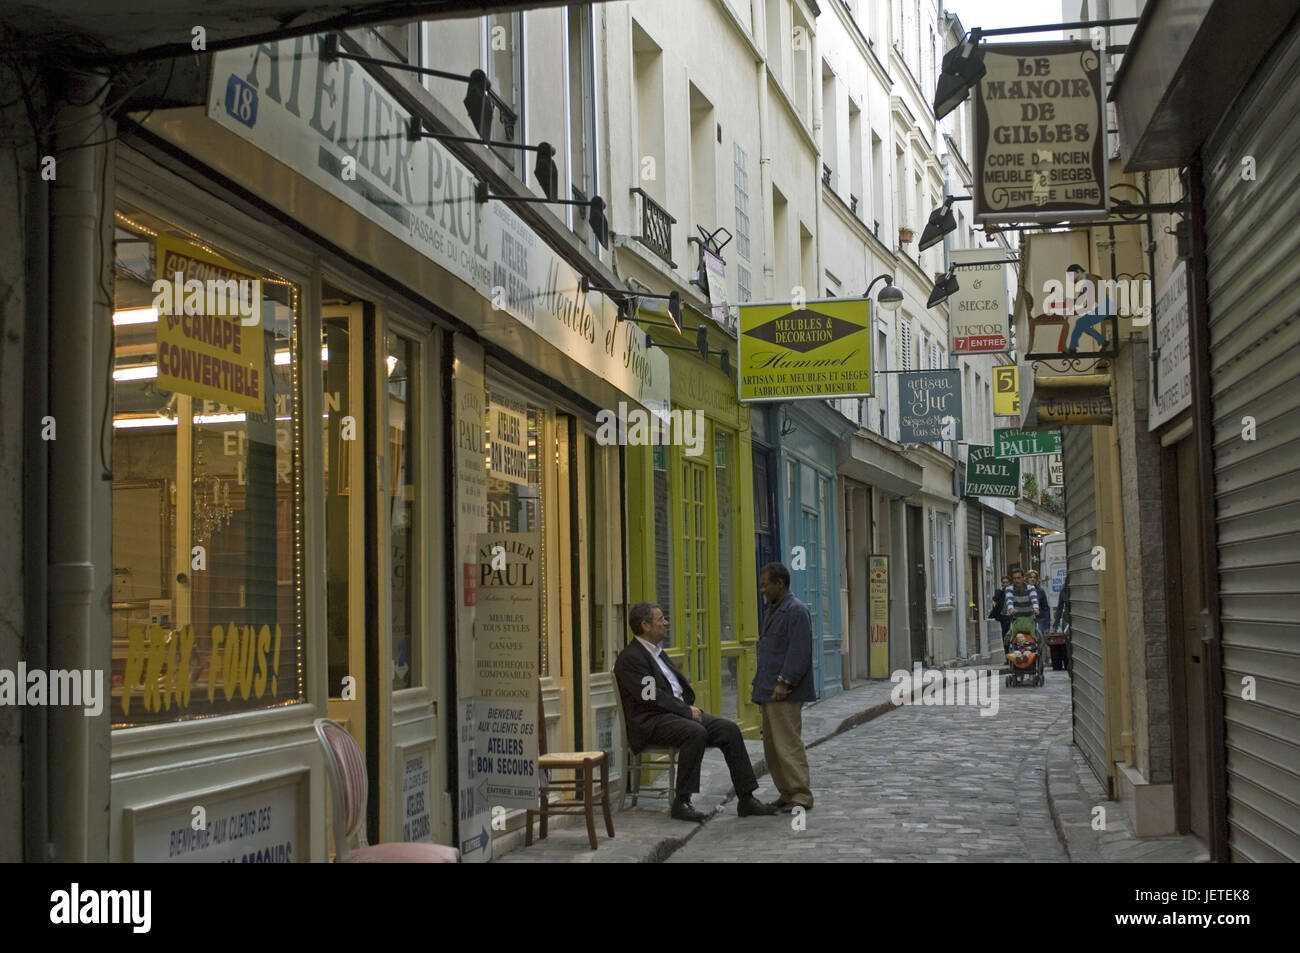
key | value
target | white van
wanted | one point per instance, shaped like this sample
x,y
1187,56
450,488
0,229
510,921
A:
x,y
1052,576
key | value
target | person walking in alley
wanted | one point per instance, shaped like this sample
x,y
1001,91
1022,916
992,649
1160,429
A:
x,y
1061,630
1044,617
659,708
782,683
997,610
1020,602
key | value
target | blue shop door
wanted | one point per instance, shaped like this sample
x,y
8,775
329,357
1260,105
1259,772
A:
x,y
766,529
809,586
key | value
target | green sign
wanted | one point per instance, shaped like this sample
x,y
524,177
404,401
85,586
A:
x,y
1011,442
989,475
822,349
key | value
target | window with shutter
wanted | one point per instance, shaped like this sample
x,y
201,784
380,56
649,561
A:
x,y
905,344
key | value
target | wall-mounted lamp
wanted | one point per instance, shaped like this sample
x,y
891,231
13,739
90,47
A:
x,y
890,297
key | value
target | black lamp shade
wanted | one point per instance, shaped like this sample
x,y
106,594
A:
x,y
479,104
726,363
944,287
649,341
329,48
548,175
702,341
675,310
599,224
940,224
962,68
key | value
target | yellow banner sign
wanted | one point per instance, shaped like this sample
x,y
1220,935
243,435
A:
x,y
822,349
1006,391
209,327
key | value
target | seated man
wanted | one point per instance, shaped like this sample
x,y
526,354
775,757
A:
x,y
658,706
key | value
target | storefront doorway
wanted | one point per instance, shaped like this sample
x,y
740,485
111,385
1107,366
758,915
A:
x,y
383,560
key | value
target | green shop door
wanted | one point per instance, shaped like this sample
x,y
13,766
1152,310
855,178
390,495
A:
x,y
693,639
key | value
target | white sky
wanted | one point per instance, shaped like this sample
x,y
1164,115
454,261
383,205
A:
x,y
993,14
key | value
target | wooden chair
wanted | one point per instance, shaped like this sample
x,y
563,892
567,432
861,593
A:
x,y
347,771
659,758
583,764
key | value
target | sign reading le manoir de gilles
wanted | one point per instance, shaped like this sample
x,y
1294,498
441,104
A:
x,y
822,349
1039,133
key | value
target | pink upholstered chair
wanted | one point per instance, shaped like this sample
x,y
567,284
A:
x,y
347,770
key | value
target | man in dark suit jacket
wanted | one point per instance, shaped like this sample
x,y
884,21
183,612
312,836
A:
x,y
783,681
659,708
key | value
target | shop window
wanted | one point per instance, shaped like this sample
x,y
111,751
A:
x,y
207,588
941,550
404,448
724,474
598,560
824,562
503,62
695,572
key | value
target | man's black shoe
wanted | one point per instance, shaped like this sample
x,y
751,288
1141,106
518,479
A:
x,y
751,806
682,811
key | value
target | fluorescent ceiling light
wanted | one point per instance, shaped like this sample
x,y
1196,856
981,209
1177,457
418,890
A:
x,y
140,372
135,316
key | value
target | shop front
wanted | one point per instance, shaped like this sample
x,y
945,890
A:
x,y
269,570
690,504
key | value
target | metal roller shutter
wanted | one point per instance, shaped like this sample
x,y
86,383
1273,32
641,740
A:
x,y
1086,685
1253,266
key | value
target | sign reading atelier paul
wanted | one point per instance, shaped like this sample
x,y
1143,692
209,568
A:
x,y
930,406
1013,442
1040,133
989,475
506,639
820,350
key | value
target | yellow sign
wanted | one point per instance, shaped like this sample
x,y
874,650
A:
x,y
1006,391
209,327
822,349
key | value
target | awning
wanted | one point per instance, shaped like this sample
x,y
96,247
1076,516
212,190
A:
x,y
869,459
1186,62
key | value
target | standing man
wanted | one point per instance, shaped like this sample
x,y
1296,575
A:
x,y
997,611
1044,617
782,683
659,709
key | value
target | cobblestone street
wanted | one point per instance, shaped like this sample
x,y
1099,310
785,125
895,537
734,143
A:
x,y
920,784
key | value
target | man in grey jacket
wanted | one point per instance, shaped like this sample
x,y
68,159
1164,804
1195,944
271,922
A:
x,y
782,683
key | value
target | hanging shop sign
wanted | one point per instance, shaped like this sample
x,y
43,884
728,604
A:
x,y
878,596
713,269
1055,470
333,125
1040,133
929,406
1085,406
1013,442
821,350
508,431
991,475
1065,315
1006,390
1171,371
209,327
507,634
978,309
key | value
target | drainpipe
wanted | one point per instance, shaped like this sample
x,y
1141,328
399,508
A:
x,y
78,622
36,382
816,81
765,164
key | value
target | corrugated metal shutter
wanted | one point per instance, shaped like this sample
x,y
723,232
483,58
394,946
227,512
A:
x,y
1253,258
974,537
1086,685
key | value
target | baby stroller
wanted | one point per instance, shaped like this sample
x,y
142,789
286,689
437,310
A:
x,y
1025,657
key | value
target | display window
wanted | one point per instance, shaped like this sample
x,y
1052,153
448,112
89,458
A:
x,y
205,444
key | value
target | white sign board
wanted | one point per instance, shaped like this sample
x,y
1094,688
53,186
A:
x,y
259,827
979,309
417,798
508,431
1171,376
1055,470
332,124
